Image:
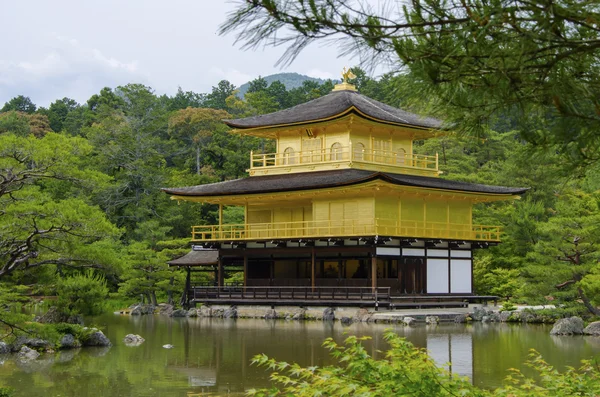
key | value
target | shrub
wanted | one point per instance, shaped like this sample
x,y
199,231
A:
x,y
82,294
409,371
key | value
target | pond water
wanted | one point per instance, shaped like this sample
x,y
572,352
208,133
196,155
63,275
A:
x,y
211,356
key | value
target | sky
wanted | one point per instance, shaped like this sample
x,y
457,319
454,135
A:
x,y
74,48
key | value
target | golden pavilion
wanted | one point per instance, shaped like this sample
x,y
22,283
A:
x,y
344,209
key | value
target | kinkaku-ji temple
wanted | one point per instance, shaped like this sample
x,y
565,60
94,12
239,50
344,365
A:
x,y
343,213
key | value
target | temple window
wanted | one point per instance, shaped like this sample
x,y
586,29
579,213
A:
x,y
336,151
359,151
288,156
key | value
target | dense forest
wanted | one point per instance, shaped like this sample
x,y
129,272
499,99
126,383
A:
x,y
82,214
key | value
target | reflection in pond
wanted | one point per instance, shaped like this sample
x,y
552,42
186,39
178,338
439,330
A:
x,y
213,355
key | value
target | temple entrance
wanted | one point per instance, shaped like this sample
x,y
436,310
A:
x,y
412,275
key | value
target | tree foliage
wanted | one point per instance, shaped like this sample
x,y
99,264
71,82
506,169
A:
x,y
405,370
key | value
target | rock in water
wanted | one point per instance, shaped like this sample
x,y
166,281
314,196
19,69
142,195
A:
x,y
346,320
231,312
168,346
431,320
329,314
4,348
192,313
27,354
270,314
568,326
133,340
179,313
592,329
97,339
68,341
408,320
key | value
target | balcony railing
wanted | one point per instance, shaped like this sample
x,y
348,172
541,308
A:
x,y
344,154
345,228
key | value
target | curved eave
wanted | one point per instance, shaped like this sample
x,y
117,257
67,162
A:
x,y
180,195
214,197
351,110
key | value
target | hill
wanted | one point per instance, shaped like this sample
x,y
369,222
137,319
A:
x,y
290,80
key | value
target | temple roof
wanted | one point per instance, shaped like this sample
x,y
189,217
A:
x,y
329,179
196,258
334,105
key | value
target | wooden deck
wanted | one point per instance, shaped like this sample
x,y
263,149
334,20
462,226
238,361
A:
x,y
297,296
327,296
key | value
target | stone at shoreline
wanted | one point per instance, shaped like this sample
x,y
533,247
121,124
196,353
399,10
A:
x,y
133,340
299,314
592,329
96,338
362,315
165,309
141,309
568,326
192,313
480,312
204,311
27,354
432,320
230,313
68,341
270,314
408,320
35,343
179,313
461,318
504,316
329,314
346,320
4,348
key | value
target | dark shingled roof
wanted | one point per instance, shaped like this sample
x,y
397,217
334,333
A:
x,y
328,179
195,258
333,104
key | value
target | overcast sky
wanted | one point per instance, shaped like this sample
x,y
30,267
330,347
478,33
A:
x,y
73,48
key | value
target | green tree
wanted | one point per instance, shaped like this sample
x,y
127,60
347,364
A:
x,y
193,127
36,228
569,245
82,294
217,98
59,111
535,60
19,104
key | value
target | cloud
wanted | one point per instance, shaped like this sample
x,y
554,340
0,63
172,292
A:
x,y
321,74
232,75
67,68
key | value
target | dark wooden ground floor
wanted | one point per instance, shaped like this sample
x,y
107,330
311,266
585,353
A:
x,y
277,272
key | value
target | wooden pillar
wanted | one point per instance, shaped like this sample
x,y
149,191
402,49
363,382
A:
x,y
374,271
245,269
185,298
312,268
220,272
220,220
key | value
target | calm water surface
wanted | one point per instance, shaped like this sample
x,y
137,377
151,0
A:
x,y
211,356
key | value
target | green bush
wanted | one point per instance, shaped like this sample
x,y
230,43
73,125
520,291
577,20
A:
x,y
508,307
6,392
409,371
82,294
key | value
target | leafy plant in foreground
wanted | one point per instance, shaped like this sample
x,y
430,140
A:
x,y
408,371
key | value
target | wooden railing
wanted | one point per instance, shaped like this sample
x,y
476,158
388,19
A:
x,y
344,154
272,293
345,228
